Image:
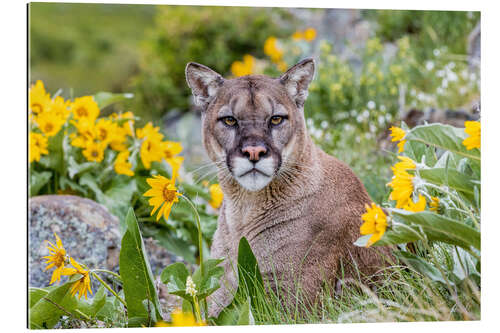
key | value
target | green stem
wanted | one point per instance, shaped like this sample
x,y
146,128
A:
x,y
198,225
109,272
108,287
197,310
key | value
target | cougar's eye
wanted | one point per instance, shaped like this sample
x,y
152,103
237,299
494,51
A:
x,y
229,121
276,120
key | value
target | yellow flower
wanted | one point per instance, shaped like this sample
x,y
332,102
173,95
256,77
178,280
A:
x,y
122,166
397,135
119,138
402,187
310,34
164,194
86,132
373,45
60,107
282,66
298,35
56,259
415,207
271,49
85,107
405,164
180,318
82,286
105,130
151,151
216,195
38,146
245,67
94,151
375,223
39,99
473,128
171,149
49,123
434,204
149,132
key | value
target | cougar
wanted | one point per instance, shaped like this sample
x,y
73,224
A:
x,y
299,208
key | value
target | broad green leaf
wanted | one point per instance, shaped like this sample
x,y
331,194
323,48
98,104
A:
x,y
74,168
246,316
398,234
249,277
175,276
92,307
138,281
38,180
88,180
55,159
440,228
118,198
65,183
444,137
167,239
49,309
420,265
209,282
104,98
35,294
451,178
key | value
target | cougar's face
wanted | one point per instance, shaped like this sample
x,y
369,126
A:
x,y
249,125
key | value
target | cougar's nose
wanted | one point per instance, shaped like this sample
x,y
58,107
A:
x,y
253,153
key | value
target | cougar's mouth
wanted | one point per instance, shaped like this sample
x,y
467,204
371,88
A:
x,y
253,177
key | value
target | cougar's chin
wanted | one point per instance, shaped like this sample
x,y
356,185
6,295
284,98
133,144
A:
x,y
253,177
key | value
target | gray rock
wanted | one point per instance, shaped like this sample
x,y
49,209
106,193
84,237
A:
x,y
88,231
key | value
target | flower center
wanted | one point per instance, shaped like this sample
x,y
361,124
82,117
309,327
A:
x,y
49,127
37,108
94,153
82,112
59,258
103,134
168,154
168,195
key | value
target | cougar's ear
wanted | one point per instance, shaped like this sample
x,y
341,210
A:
x,y
296,80
203,82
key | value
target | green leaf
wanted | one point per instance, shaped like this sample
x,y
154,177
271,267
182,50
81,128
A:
x,y
249,278
104,98
175,276
193,190
38,180
74,168
118,198
209,282
440,228
138,281
167,239
246,316
35,294
451,178
91,308
49,309
420,265
55,159
444,137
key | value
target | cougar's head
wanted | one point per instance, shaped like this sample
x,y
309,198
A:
x,y
251,124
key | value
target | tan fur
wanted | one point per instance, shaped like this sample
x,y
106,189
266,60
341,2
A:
x,y
302,225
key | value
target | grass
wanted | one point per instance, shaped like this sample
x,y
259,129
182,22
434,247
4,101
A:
x,y
399,295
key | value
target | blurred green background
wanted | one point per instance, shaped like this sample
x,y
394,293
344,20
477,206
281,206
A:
x,y
374,66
